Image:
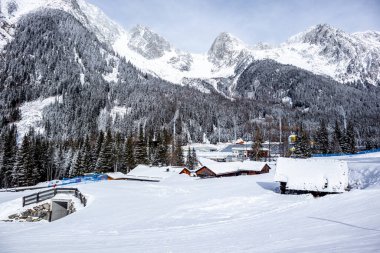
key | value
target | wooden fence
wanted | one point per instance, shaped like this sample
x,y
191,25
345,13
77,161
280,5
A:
x,y
48,194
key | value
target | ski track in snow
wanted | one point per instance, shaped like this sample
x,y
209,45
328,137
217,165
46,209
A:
x,y
182,214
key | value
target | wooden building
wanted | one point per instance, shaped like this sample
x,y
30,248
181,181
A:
x,y
211,168
205,172
254,168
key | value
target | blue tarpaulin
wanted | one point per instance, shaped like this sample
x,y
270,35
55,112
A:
x,y
359,153
75,180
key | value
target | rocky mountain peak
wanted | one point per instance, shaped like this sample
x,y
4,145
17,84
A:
x,y
225,49
148,43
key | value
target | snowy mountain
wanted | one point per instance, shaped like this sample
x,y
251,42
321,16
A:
x,y
227,51
351,57
322,49
90,16
77,56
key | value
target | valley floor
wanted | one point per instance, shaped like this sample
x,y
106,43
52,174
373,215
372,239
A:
x,y
182,214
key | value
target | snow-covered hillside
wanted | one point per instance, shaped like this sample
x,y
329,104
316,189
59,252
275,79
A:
x,y
181,214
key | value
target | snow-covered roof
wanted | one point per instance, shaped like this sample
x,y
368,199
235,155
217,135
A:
x,y
216,155
312,174
220,168
150,173
116,175
241,148
252,165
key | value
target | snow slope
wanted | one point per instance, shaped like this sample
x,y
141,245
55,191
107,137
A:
x,y
31,116
364,169
180,214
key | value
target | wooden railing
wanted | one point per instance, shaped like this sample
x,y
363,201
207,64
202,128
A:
x,y
45,195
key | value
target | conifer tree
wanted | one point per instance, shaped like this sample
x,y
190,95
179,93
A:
x,y
26,169
178,159
129,157
154,142
8,155
321,139
302,145
257,145
98,147
189,160
59,162
18,177
141,155
118,152
348,140
105,161
162,151
39,153
152,147
195,159
337,139
86,165
75,170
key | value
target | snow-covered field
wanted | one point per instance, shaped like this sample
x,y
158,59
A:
x,y
183,214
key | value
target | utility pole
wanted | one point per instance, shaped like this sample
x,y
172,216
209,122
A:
x,y
279,146
218,131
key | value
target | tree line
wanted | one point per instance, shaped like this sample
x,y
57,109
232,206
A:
x,y
38,159
337,140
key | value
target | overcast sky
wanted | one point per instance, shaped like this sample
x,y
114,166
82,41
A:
x,y
192,25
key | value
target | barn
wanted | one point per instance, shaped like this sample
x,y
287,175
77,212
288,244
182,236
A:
x,y
212,168
316,176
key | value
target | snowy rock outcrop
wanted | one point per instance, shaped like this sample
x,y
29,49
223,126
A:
x,y
354,57
147,43
227,51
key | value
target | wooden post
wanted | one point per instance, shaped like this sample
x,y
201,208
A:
x,y
38,197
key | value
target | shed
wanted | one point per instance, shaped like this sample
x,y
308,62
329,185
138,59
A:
x,y
316,176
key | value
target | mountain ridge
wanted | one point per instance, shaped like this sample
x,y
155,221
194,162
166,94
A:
x,y
321,49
